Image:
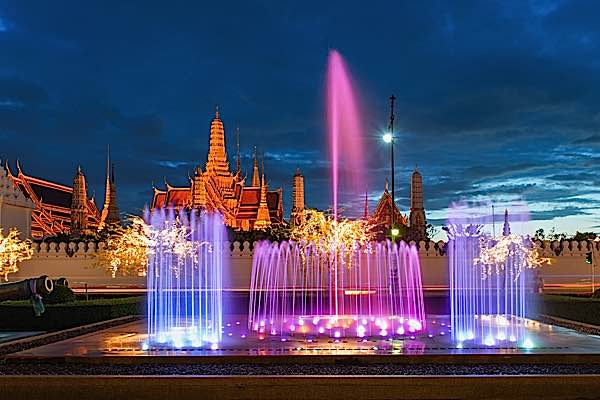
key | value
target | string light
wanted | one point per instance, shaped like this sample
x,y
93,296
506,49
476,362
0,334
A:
x,y
13,250
332,236
128,250
512,252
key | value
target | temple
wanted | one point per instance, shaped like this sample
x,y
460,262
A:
x,y
60,209
52,213
216,189
297,216
418,222
386,213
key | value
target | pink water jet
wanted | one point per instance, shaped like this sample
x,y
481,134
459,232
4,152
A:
x,y
345,131
312,289
374,291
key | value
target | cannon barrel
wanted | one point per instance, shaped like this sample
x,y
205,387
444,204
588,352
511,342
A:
x,y
62,282
21,290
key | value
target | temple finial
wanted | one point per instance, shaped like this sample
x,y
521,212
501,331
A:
x,y
238,165
387,185
217,114
506,227
263,168
366,215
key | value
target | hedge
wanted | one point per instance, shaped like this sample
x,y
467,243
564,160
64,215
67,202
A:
x,y
18,315
581,309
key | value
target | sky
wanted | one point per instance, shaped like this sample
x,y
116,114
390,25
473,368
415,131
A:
x,y
496,100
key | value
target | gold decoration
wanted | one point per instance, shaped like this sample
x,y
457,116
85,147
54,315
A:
x,y
510,250
330,236
129,249
13,250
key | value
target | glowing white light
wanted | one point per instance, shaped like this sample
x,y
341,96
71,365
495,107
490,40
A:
x,y
321,329
145,346
387,137
400,331
489,341
214,346
337,334
416,324
315,320
528,344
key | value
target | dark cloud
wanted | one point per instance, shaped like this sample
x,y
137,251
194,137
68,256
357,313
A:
x,y
594,139
496,99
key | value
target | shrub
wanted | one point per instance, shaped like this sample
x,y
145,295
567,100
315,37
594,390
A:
x,y
18,315
60,294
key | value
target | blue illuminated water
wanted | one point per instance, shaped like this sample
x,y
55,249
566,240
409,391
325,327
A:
x,y
184,278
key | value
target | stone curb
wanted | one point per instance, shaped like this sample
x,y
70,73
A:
x,y
52,337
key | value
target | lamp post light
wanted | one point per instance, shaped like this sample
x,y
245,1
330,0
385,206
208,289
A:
x,y
595,261
388,138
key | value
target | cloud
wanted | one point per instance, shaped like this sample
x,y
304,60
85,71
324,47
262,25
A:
x,y
594,139
496,100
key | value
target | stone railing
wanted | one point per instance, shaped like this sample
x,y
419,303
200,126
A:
x,y
77,261
245,249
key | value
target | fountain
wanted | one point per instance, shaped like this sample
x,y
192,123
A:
x,y
184,278
362,292
490,280
334,283
345,131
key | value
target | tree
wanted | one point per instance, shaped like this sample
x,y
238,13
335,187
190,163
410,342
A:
x,y
126,249
539,235
13,250
579,236
553,235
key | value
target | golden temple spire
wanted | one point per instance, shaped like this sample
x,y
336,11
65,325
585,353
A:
x,y
263,219
255,173
110,211
217,155
78,204
238,164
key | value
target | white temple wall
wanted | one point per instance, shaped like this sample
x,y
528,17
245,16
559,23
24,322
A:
x,y
568,272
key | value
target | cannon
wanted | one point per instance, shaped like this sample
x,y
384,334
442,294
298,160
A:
x,y
26,289
61,282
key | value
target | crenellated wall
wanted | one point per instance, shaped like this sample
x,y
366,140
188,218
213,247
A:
x,y
77,262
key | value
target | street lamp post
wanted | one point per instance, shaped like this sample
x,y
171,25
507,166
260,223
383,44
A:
x,y
388,137
595,260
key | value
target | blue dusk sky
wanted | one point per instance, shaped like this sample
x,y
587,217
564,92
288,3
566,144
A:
x,y
496,100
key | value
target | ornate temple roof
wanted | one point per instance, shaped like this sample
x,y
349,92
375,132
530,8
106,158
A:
x,y
218,189
384,209
52,212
